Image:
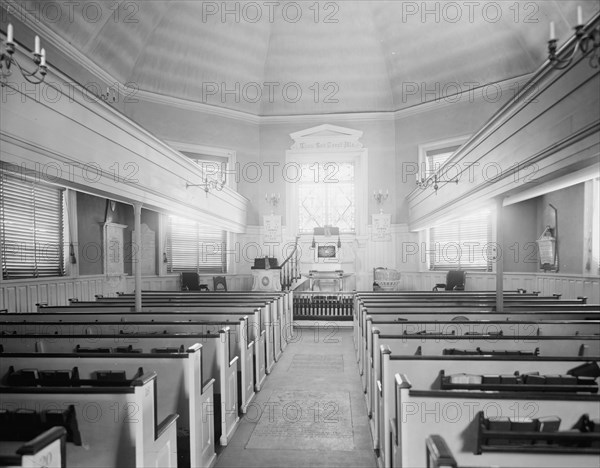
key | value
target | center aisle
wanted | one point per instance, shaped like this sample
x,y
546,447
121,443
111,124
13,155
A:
x,y
311,410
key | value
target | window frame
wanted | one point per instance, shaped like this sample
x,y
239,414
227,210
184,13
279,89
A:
x,y
424,149
357,157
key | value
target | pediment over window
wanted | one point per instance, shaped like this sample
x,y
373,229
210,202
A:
x,y
327,137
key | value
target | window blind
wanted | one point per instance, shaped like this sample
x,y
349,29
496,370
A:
x,y
464,244
31,231
193,247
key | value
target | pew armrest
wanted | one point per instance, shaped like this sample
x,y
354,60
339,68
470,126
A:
x,y
439,453
394,431
166,424
208,385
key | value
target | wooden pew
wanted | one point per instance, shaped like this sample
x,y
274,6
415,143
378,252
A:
x,y
426,376
426,303
433,346
47,449
239,345
280,303
526,332
260,318
442,315
420,412
286,298
439,455
179,388
216,361
259,329
118,425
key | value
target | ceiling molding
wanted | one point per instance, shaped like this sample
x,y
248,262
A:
x,y
91,67
195,106
447,101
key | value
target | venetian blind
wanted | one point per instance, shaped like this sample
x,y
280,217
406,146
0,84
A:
x,y
193,247
31,230
463,244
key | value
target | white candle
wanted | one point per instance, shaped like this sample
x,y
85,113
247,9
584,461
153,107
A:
x,y
37,45
579,16
552,31
43,62
9,34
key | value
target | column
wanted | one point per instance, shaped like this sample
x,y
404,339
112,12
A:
x,y
499,259
136,254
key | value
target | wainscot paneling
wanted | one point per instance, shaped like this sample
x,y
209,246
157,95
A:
x,y
24,295
570,286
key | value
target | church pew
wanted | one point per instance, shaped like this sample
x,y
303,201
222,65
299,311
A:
x,y
260,328
239,344
419,412
47,450
425,372
439,455
434,345
216,362
179,389
285,298
386,314
268,318
118,425
279,314
524,331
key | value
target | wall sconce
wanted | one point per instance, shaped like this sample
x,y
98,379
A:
x,y
380,198
273,200
208,185
587,43
433,182
7,60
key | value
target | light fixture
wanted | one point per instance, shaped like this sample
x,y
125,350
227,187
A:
x,y
433,182
273,200
7,60
586,43
208,185
380,198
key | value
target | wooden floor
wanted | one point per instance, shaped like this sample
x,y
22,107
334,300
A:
x,y
311,411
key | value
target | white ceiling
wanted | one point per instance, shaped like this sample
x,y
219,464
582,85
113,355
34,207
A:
x,y
362,56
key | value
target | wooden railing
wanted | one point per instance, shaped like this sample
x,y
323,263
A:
x,y
323,305
289,268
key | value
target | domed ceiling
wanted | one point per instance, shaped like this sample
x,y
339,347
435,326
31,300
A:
x,y
308,57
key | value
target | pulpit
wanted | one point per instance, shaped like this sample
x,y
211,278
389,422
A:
x,y
266,274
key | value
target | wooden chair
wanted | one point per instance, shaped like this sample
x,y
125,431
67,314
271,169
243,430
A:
x,y
455,281
190,281
219,283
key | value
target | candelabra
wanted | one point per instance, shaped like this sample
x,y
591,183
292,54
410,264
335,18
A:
x,y
7,60
433,182
273,200
587,43
380,198
208,185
